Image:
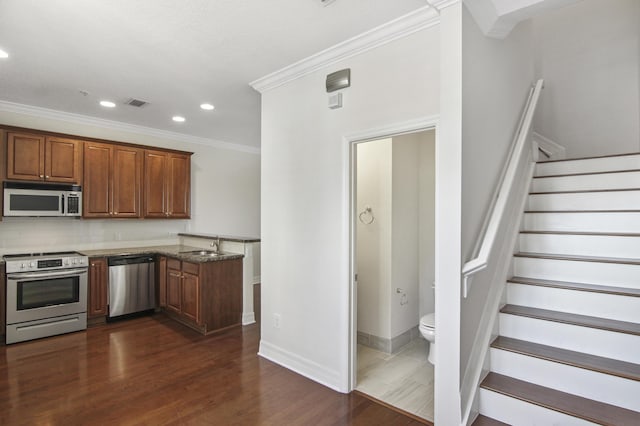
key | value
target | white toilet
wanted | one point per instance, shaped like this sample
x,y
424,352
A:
x,y
428,330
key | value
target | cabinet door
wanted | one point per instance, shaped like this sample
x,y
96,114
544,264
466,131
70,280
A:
x,y
97,305
62,160
25,156
155,187
162,281
191,297
127,181
179,186
3,306
96,194
174,290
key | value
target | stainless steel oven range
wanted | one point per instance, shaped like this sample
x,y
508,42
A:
x,y
46,294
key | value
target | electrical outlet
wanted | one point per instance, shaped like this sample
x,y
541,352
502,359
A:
x,y
276,320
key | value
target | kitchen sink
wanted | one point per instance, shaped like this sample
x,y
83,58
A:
x,y
202,253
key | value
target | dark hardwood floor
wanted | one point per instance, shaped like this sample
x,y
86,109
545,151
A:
x,y
152,371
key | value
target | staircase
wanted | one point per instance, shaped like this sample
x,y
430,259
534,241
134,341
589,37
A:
x,y
568,352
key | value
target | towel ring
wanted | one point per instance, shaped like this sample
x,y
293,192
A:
x,y
367,211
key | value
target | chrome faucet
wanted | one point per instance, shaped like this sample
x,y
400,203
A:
x,y
215,245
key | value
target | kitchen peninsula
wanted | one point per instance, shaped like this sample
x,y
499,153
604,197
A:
x,y
208,290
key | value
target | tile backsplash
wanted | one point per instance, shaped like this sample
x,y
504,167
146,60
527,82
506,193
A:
x,y
22,235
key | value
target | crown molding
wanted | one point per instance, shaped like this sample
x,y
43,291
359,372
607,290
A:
x,y
68,117
403,26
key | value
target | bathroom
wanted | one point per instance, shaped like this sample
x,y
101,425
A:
x,y
395,238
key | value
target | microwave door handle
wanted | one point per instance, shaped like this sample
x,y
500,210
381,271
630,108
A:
x,y
62,203
47,274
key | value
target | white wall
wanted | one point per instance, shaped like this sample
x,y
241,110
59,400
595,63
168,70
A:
x,y
405,234
374,178
448,220
589,56
395,177
225,197
427,223
305,202
496,78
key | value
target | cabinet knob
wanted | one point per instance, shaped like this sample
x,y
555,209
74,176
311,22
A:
x,y
47,177
116,213
41,176
110,212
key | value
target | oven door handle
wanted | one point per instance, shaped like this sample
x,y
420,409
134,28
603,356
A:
x,y
47,274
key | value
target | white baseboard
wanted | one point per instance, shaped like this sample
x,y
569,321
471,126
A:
x,y
300,365
248,318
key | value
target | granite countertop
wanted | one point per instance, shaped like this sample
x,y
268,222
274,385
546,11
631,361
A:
x,y
177,251
222,237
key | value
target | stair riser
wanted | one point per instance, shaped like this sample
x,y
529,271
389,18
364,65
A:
x,y
583,222
615,200
577,381
621,346
587,182
515,412
611,274
582,245
621,308
626,162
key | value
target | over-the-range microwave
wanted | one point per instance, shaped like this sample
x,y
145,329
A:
x,y
42,199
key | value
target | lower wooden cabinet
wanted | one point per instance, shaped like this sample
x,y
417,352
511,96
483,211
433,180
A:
x,y
205,296
3,302
98,279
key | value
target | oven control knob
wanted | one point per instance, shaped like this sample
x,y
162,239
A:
x,y
75,261
32,264
23,265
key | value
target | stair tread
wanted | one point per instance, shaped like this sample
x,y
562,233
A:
x,y
582,211
575,319
599,364
583,191
621,291
627,154
487,421
584,233
573,405
579,258
587,173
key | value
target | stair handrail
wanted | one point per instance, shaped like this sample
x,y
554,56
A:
x,y
483,245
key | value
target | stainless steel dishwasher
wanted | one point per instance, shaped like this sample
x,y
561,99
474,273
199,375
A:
x,y
131,284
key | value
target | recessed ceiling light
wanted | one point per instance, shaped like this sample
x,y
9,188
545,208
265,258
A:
x,y
3,54
208,107
107,104
178,118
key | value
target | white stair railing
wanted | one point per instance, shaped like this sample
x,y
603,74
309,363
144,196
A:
x,y
485,244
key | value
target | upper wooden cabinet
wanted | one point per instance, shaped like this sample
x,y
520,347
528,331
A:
x,y
43,158
167,185
112,181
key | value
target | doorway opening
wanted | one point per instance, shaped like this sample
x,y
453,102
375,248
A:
x,y
393,259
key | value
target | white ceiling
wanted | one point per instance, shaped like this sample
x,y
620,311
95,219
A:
x,y
173,54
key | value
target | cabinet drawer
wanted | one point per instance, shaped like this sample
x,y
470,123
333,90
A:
x,y
190,268
173,263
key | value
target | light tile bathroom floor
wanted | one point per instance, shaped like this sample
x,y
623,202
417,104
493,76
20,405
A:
x,y
403,379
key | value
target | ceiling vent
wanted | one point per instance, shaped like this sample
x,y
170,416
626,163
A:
x,y
136,103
